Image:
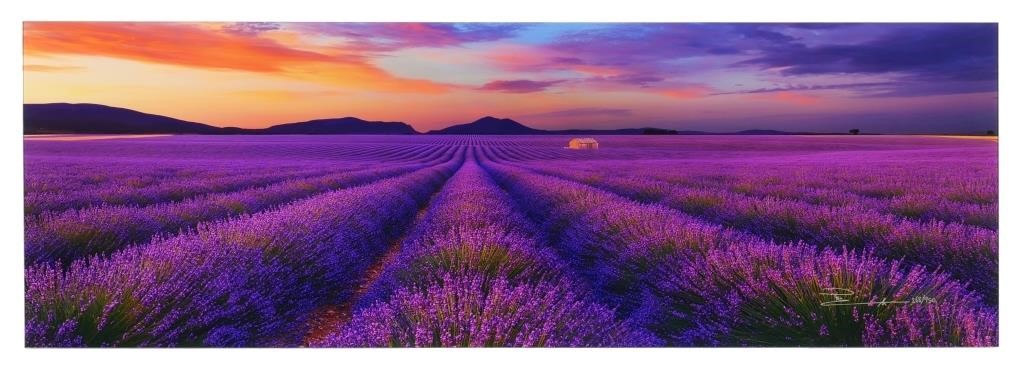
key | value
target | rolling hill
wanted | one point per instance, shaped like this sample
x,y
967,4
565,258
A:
x,y
344,125
497,126
84,118
489,126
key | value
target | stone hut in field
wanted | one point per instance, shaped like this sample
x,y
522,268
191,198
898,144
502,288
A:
x,y
582,143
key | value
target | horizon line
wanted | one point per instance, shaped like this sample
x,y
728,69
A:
x,y
418,132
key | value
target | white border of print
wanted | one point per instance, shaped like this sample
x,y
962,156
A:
x,y
11,199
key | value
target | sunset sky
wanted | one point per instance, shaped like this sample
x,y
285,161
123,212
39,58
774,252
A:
x,y
713,77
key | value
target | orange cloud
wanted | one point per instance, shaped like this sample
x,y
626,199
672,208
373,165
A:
x,y
273,95
690,92
50,68
202,46
165,43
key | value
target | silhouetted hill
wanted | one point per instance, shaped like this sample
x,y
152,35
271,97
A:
x,y
494,126
489,126
344,125
85,118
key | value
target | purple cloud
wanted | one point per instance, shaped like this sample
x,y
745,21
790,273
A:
x,y
919,59
250,28
395,36
936,54
653,44
802,87
966,50
639,44
519,86
646,55
919,89
882,89
637,79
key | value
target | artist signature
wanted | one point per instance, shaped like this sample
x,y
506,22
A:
x,y
841,297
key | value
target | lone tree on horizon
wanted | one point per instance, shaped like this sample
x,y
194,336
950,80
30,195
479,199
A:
x,y
854,131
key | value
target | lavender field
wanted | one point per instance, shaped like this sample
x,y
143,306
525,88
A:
x,y
381,241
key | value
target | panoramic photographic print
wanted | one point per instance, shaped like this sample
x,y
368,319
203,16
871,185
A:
x,y
353,185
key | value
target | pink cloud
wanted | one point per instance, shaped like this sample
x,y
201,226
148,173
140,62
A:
x,y
519,58
519,86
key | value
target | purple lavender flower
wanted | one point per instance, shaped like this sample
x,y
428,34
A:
x,y
249,281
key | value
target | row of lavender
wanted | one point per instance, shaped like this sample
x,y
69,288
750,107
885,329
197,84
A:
x,y
969,253
517,250
280,150
693,283
472,274
942,190
250,281
70,182
158,186
69,235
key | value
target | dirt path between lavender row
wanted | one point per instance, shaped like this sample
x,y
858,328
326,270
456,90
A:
x,y
329,318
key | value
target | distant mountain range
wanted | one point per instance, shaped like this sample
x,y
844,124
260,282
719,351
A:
x,y
84,118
